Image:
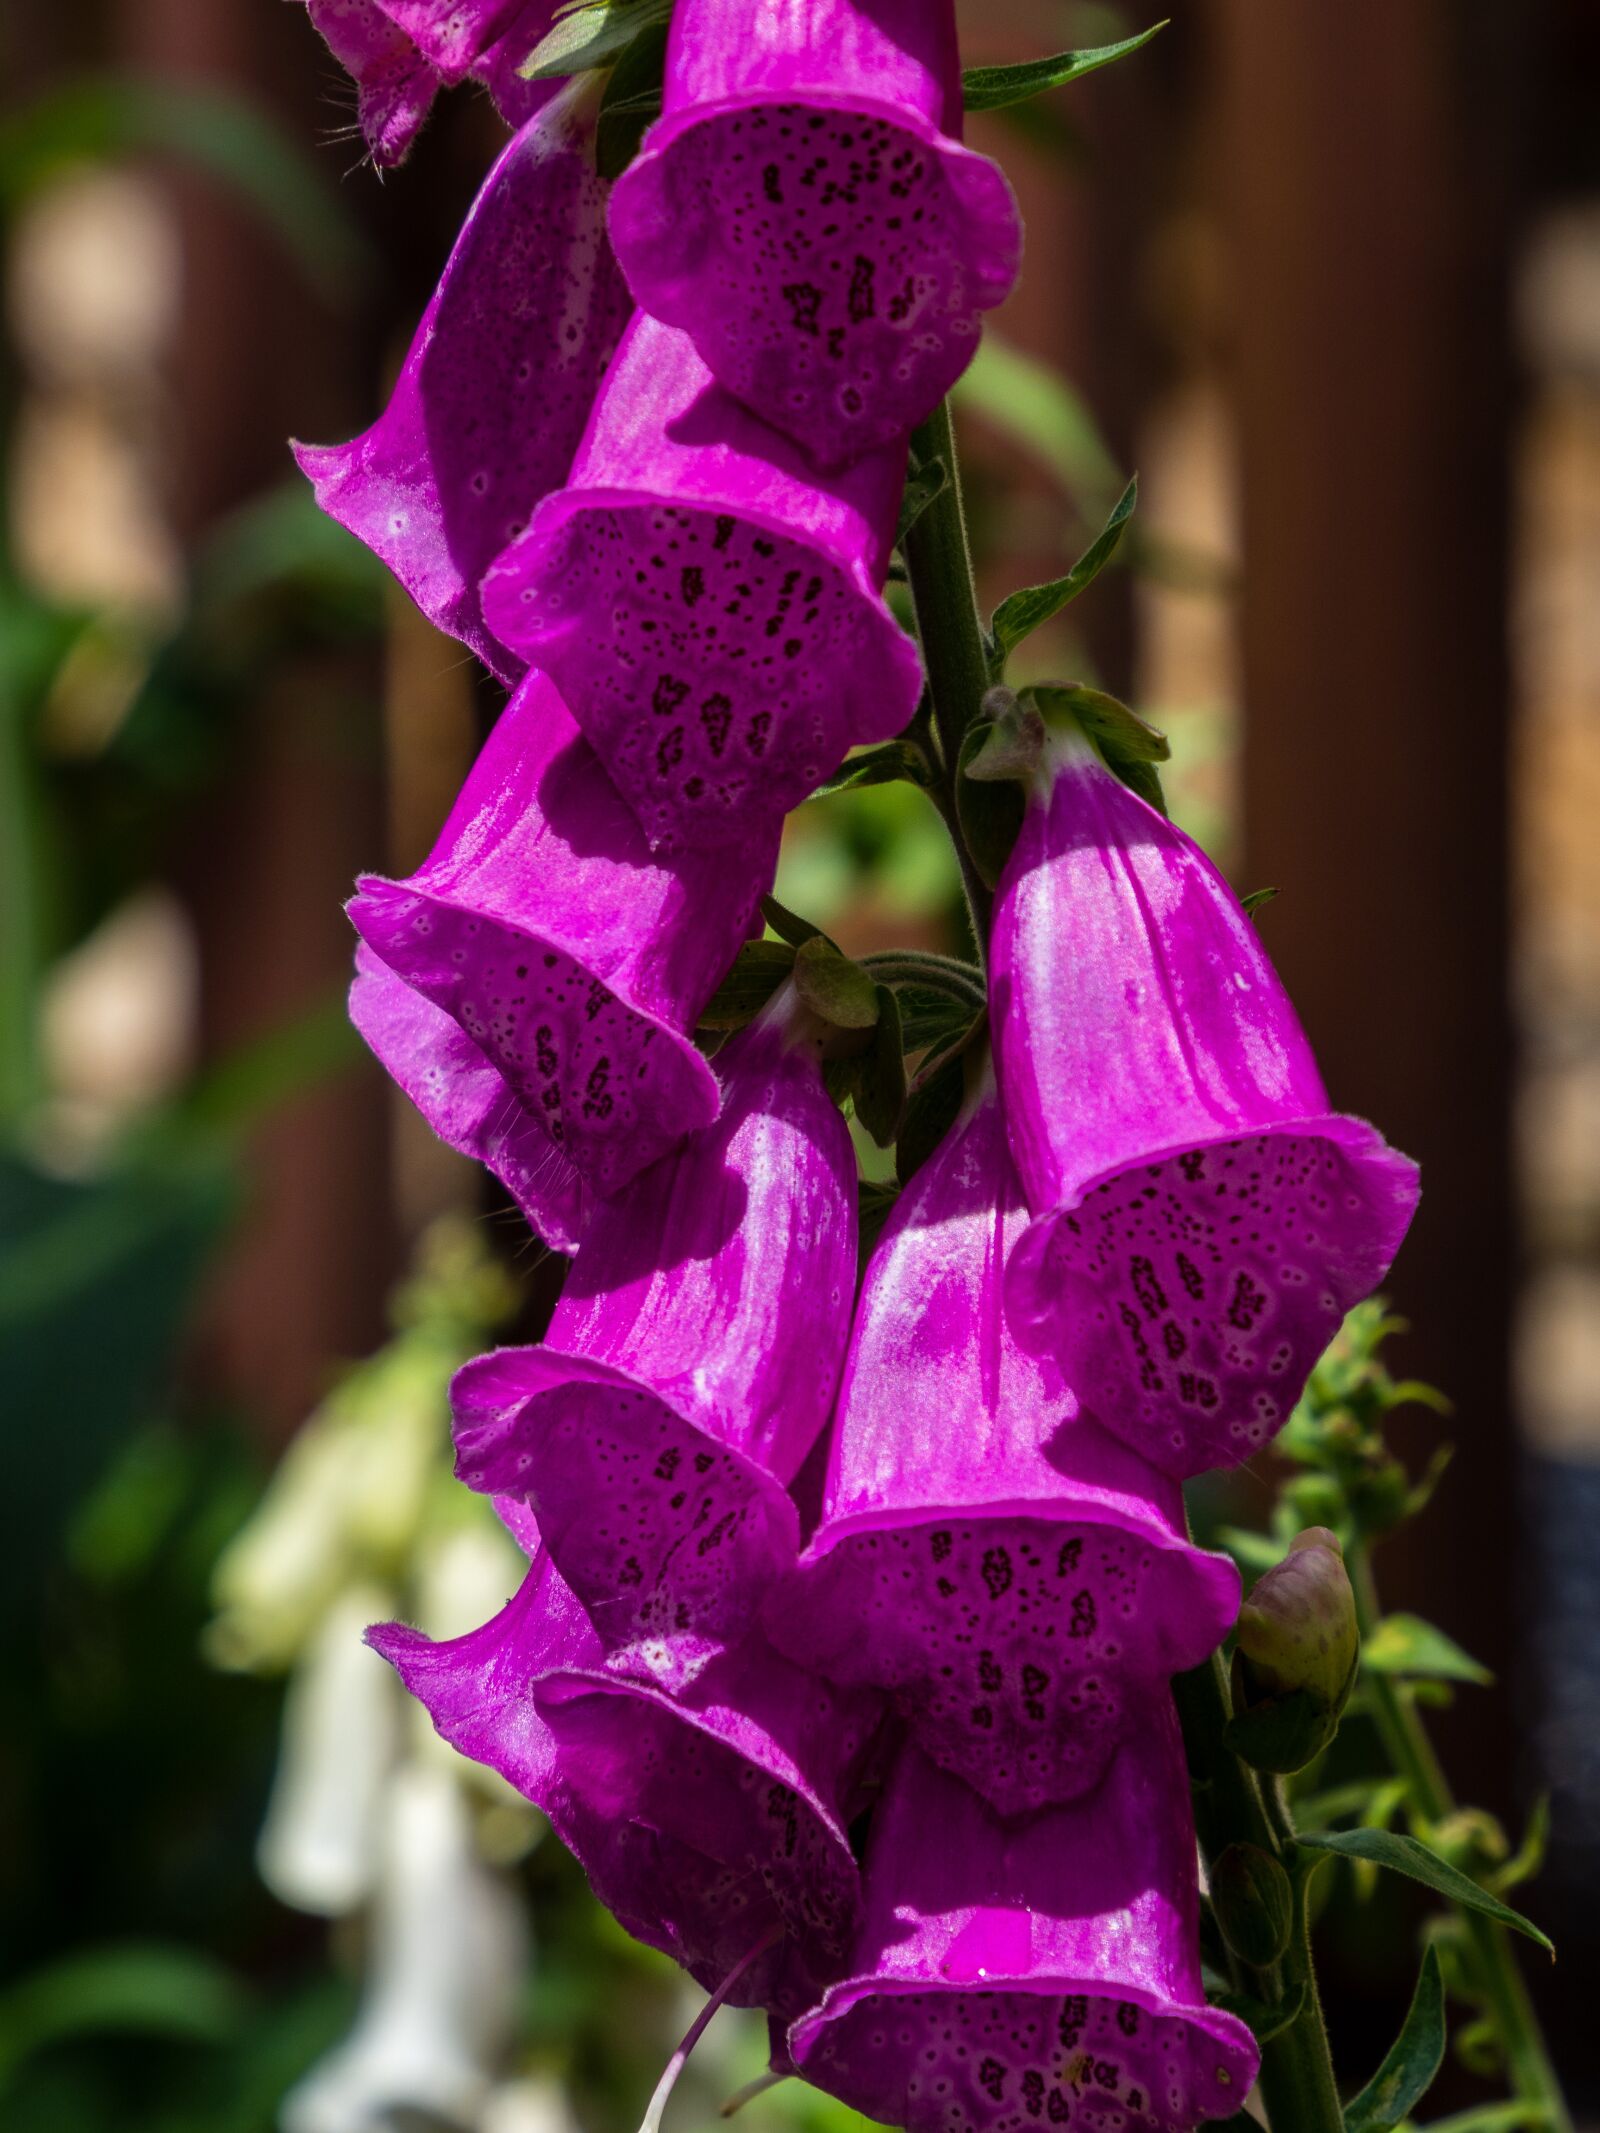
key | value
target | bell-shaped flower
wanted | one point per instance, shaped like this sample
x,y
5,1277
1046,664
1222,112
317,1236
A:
x,y
559,969
1203,1220
689,1367
495,392
1020,1580
709,1822
805,210
707,602
399,53
1039,1968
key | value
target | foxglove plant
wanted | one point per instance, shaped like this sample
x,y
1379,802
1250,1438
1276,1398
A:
x,y
709,604
805,211
571,961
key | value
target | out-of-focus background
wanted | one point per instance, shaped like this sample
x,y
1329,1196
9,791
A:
x,y
1329,278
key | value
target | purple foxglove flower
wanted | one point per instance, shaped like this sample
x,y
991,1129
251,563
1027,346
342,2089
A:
x,y
574,964
399,53
1203,1219
689,1366
709,605
705,1820
1046,1967
1020,1579
497,387
805,210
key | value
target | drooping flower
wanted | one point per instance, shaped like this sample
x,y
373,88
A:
x,y
400,53
708,604
1203,1220
1016,1576
708,1821
688,1369
1042,1968
572,963
496,389
804,209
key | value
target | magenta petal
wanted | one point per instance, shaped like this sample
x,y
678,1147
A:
x,y
803,212
1046,1968
497,67
452,35
394,85
708,603
1020,1579
465,1099
496,389
574,962
1203,1220
689,1367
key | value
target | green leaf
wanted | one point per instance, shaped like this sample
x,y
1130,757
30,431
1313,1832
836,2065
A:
x,y
1528,1858
758,970
1405,1644
1252,903
881,1083
789,925
873,1208
1021,613
1493,2118
894,761
591,36
995,88
1404,1855
1263,2021
989,811
921,488
632,99
929,1019
835,988
1407,2073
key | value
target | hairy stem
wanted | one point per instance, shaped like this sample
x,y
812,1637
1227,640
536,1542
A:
x,y
1490,1958
939,564
1233,1807
940,973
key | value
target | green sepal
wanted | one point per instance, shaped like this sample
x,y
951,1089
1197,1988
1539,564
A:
x,y
789,925
996,88
928,481
1021,613
632,99
591,35
1415,2057
1404,1855
758,970
1406,1645
930,1113
930,1020
836,990
880,1090
1252,903
1263,2021
1130,745
895,761
988,809
1253,1900
1283,1734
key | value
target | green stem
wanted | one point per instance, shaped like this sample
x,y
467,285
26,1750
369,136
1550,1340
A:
x,y
1233,1807
939,564
940,973
1490,1957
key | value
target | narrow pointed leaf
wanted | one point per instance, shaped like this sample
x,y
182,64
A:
x,y
1407,2073
1404,1855
789,925
895,761
1021,613
994,88
1253,902
1406,1645
1528,1858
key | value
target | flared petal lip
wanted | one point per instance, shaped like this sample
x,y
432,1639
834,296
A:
x,y
1356,1136
981,186
546,1369
1225,2030
702,1080
553,513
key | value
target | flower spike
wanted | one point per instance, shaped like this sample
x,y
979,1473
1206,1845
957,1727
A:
x,y
688,1370
574,963
1045,1969
708,604
1017,1577
1203,1220
805,210
497,387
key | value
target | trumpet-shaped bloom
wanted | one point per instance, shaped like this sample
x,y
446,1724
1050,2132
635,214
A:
x,y
496,390
704,1820
1203,1220
707,602
804,209
689,1367
1016,1576
572,963
1041,1970
399,53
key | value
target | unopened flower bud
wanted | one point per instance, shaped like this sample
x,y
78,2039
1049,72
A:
x,y
1298,1648
1253,1903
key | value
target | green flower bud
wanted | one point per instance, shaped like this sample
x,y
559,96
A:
x,y
1298,1649
1253,1903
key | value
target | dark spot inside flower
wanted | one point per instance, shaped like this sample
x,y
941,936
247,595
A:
x,y
939,1545
804,299
1127,2018
669,692
770,185
1068,1559
667,1465
997,1572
